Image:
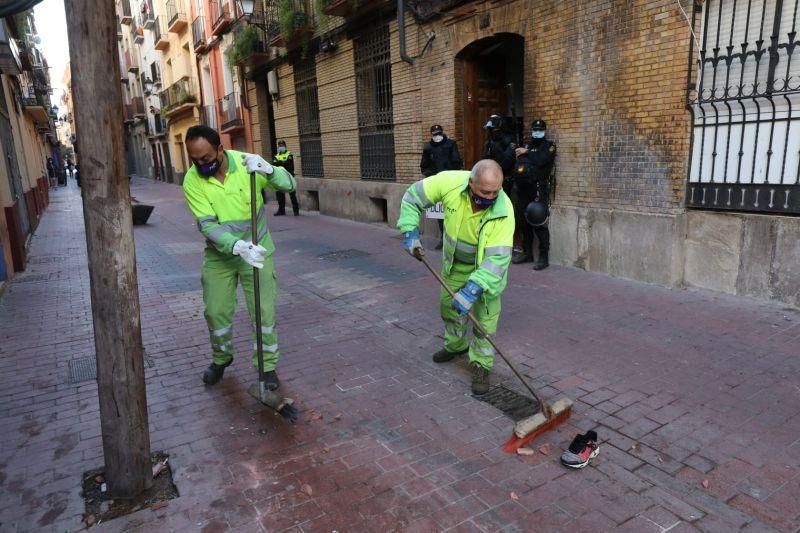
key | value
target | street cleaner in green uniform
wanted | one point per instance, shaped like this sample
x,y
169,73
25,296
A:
x,y
478,239
217,189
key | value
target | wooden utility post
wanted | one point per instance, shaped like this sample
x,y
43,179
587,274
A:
x,y
109,239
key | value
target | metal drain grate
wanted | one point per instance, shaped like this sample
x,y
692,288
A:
x,y
340,255
29,278
47,259
85,368
513,404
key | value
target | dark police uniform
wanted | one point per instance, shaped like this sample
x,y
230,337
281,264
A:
x,y
440,156
500,148
285,160
532,178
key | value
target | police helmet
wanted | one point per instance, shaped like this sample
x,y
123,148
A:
x,y
536,214
495,122
538,124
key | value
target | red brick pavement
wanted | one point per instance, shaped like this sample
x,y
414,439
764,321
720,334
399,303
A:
x,y
683,387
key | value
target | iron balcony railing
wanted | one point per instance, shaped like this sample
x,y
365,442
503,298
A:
x,y
220,14
159,125
210,116
230,111
179,93
137,103
148,14
199,32
174,12
137,33
160,36
126,11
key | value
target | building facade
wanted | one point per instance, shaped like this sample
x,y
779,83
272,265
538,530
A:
x,y
27,139
676,122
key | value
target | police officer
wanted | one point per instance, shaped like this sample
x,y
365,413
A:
x,y
285,159
531,175
439,154
500,148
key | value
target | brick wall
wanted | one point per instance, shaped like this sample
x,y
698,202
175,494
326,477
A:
x,y
609,77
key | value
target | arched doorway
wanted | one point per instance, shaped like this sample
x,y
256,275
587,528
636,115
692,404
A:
x,y
490,74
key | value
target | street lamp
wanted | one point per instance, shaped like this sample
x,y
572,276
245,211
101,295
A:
x,y
147,83
248,8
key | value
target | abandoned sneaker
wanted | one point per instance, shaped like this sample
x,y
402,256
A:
x,y
581,450
214,373
443,356
271,381
480,380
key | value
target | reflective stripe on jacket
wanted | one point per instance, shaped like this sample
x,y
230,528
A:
x,y
492,255
222,210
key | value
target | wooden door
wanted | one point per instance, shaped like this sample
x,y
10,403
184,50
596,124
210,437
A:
x,y
484,95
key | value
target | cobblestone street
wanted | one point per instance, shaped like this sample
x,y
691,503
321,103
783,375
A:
x,y
695,395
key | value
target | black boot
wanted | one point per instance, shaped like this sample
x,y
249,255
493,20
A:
x,y
271,381
443,356
280,213
542,262
523,257
214,373
296,212
480,380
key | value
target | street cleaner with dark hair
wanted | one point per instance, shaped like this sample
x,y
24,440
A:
x,y
478,238
217,189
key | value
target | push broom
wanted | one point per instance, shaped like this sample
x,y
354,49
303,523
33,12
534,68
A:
x,y
284,406
527,429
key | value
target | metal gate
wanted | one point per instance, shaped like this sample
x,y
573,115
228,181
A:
x,y
375,112
305,88
744,94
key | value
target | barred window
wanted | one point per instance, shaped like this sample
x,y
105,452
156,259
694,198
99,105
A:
x,y
374,96
305,88
744,95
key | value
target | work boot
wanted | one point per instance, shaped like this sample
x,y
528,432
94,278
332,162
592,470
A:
x,y
443,356
296,212
480,380
542,262
214,373
271,381
523,257
280,213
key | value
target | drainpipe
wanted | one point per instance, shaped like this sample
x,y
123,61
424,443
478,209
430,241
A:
x,y
401,31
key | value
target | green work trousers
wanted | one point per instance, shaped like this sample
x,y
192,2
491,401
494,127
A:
x,y
221,273
485,309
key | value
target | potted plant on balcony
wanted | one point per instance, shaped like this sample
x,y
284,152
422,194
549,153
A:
x,y
293,24
244,42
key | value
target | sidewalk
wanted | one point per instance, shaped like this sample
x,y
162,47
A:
x,y
695,395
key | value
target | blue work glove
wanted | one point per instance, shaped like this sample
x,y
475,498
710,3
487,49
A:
x,y
464,298
411,241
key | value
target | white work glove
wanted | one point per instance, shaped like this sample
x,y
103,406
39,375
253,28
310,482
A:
x,y
253,254
256,163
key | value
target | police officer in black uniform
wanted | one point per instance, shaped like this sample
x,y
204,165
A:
x,y
438,154
500,148
532,172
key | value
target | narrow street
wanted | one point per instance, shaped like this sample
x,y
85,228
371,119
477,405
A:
x,y
694,395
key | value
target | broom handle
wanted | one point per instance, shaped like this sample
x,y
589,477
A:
x,y
256,286
419,253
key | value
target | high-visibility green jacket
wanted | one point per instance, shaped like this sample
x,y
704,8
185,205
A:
x,y
492,255
222,210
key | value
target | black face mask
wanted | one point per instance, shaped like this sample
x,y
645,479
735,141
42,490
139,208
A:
x,y
208,169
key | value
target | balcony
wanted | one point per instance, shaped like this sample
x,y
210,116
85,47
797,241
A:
x,y
132,62
10,61
137,33
148,15
178,98
127,114
137,105
301,26
199,34
220,16
119,29
178,21
159,127
160,37
348,8
209,116
126,12
34,105
230,112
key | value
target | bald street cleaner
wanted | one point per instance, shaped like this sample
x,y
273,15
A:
x,y
217,189
478,239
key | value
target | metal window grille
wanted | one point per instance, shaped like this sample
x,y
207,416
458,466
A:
x,y
374,97
305,87
744,94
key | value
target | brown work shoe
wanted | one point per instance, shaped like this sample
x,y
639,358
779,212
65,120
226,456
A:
x,y
480,380
443,356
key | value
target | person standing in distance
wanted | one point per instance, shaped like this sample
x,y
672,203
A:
x,y
532,177
439,154
285,159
